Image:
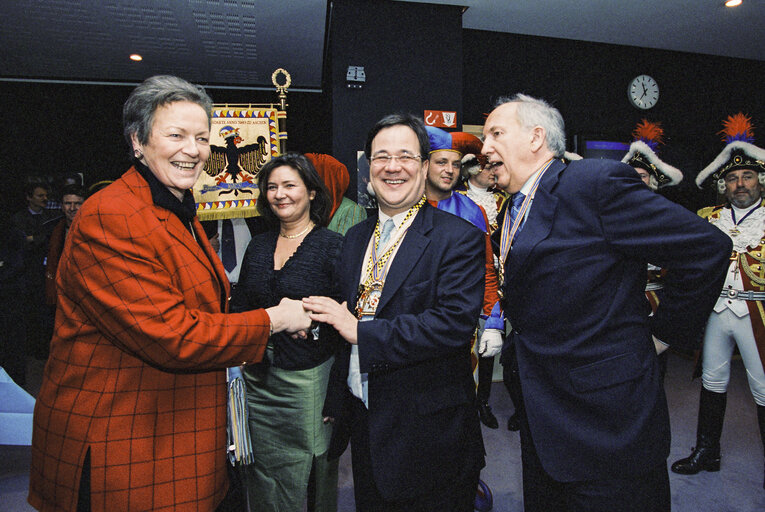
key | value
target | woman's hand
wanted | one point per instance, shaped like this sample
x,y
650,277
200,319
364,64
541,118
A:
x,y
290,316
328,311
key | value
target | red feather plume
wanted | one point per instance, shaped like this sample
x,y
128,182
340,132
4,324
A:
x,y
737,127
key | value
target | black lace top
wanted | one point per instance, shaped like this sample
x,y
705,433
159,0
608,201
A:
x,y
309,271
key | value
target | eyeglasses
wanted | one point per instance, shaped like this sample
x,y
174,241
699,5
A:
x,y
404,160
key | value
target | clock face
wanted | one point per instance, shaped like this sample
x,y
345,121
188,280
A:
x,y
643,92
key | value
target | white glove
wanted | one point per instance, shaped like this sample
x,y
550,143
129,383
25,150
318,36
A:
x,y
490,343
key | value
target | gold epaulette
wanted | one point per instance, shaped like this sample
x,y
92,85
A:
x,y
707,211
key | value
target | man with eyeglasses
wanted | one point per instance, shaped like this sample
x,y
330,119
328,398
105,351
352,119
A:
x,y
401,390
444,170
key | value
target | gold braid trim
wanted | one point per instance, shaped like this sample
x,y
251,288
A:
x,y
759,250
750,272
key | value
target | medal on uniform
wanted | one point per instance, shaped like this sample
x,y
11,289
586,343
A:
x,y
734,231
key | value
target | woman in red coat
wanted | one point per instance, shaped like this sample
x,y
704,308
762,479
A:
x,y
131,414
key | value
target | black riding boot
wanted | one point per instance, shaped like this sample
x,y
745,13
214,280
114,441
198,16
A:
x,y
761,421
485,371
706,455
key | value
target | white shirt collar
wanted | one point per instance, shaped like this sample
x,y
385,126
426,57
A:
x,y
743,211
397,219
526,188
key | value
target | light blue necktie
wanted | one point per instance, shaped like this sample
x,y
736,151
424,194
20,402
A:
x,y
387,229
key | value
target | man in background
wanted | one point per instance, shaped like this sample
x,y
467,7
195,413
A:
x,y
738,318
72,197
444,172
32,221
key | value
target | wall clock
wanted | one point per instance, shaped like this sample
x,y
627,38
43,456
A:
x,y
643,92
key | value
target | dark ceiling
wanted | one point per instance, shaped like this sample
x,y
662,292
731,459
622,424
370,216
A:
x,y
233,42
240,43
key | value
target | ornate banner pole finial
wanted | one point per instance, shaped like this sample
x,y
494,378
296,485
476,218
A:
x,y
282,90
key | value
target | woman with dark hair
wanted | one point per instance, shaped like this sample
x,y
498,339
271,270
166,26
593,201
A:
x,y
286,391
131,413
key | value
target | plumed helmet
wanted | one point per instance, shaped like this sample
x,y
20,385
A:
x,y
643,154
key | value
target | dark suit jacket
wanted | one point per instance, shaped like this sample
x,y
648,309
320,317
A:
x,y
574,296
423,424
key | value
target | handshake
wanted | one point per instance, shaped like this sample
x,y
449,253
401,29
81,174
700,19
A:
x,y
297,317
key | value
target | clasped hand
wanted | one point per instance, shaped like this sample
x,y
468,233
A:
x,y
289,315
329,311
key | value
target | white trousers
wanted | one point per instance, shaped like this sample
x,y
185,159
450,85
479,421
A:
x,y
724,331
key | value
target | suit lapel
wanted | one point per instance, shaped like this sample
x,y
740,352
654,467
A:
x,y
357,249
538,223
410,251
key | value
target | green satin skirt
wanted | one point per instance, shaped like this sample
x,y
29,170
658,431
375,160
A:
x,y
289,438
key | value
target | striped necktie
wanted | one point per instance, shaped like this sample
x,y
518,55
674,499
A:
x,y
517,202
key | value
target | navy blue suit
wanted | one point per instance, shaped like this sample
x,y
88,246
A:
x,y
575,278
423,425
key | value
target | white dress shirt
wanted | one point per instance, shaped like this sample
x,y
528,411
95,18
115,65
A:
x,y
358,381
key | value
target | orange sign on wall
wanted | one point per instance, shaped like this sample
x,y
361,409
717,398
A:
x,y
441,118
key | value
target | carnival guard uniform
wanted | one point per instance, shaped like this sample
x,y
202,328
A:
x,y
738,317
643,157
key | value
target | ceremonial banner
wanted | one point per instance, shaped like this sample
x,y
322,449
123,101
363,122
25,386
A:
x,y
241,141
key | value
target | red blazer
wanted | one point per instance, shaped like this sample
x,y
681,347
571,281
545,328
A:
x,y
136,363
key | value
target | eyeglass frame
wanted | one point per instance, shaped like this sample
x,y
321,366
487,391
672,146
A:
x,y
387,159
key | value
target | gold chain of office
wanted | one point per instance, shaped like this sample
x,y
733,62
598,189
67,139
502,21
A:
x,y
384,258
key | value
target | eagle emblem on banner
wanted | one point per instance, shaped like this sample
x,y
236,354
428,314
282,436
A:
x,y
236,164
242,140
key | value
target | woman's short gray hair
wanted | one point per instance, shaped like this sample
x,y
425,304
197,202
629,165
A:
x,y
157,91
533,112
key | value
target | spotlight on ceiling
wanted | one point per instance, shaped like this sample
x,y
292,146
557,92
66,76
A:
x,y
136,57
733,3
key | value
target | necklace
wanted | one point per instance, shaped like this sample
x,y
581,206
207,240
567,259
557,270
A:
x,y
307,228
735,231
